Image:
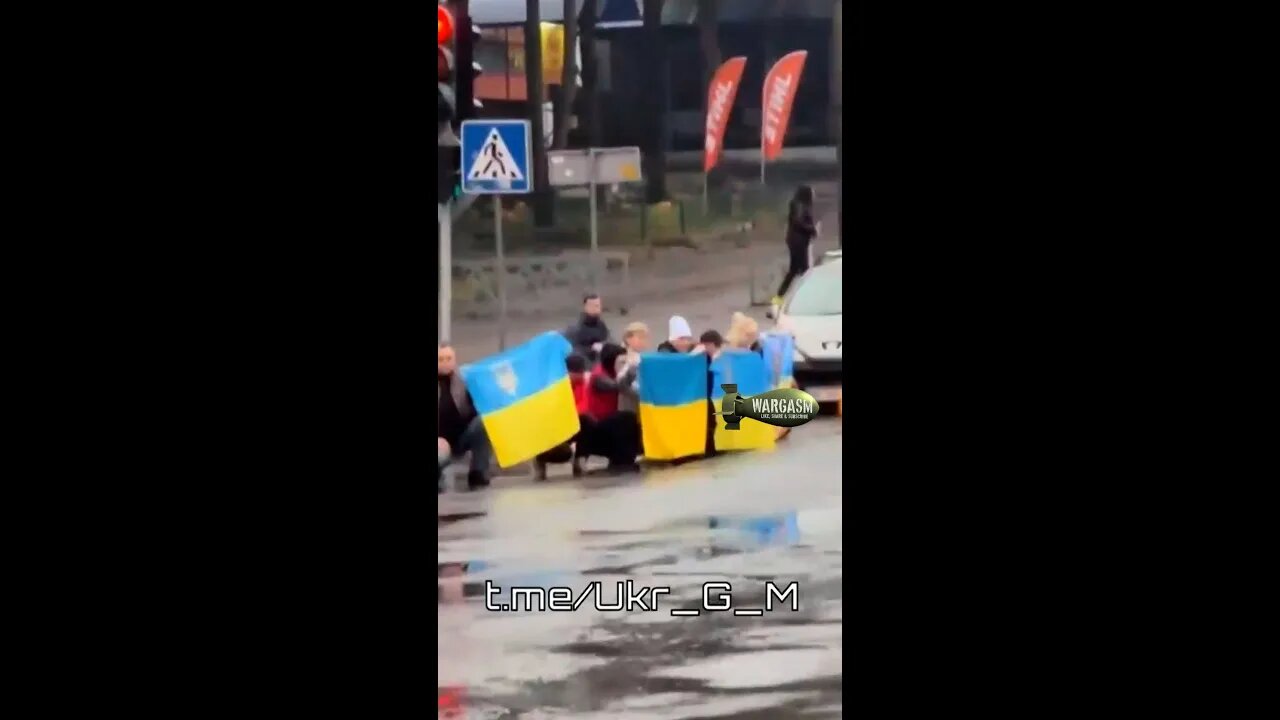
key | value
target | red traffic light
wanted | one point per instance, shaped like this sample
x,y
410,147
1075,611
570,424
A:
x,y
444,25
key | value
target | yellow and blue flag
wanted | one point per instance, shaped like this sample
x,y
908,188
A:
x,y
747,370
673,405
524,398
779,359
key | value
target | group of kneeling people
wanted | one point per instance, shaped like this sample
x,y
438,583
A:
x,y
604,378
608,396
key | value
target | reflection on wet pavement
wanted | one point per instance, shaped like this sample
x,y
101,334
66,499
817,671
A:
x,y
743,520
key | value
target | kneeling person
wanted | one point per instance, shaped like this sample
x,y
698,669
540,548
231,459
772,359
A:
x,y
458,423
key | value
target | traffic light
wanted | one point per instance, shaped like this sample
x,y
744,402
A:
x,y
446,100
447,151
465,37
444,25
456,72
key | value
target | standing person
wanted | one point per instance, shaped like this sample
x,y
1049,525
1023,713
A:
x,y
800,233
679,336
457,422
590,333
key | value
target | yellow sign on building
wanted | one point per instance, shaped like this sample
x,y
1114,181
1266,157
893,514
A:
x,y
552,53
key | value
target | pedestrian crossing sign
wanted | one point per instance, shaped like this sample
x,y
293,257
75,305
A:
x,y
495,157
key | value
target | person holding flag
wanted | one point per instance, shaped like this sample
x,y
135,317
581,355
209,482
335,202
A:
x,y
524,398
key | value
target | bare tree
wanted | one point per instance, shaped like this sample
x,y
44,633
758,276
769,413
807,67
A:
x,y
589,118
543,200
709,39
569,76
655,103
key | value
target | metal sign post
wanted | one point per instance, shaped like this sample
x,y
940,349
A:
x,y
593,167
502,273
496,160
595,237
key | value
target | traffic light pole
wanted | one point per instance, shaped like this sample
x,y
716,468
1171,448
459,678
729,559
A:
x,y
445,221
501,275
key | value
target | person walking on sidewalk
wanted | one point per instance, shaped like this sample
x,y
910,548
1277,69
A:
x,y
679,336
590,333
457,421
800,233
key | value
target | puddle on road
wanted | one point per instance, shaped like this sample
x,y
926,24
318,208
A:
x,y
743,520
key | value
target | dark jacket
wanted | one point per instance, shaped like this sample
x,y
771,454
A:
x,y
585,333
461,398
800,225
455,410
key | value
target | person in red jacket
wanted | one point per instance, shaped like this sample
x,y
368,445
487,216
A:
x,y
580,383
616,434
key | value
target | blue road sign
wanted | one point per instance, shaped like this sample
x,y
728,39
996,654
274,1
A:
x,y
495,157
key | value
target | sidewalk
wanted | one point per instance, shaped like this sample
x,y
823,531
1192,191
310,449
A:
x,y
705,286
706,296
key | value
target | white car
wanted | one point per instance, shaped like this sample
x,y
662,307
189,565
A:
x,y
813,312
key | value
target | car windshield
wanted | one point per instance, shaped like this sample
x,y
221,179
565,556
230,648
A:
x,y
820,293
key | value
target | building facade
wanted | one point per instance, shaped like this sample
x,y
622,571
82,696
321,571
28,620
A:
x,y
760,30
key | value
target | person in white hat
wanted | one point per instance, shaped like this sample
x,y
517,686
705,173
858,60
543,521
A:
x,y
679,336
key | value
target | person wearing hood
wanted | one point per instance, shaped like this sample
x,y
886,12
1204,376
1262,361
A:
x,y
566,452
590,333
616,433
679,336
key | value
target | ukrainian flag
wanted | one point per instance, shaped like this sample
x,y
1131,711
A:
x,y
780,359
673,405
524,399
746,369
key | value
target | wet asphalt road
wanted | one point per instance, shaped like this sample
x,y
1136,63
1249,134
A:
x,y
742,519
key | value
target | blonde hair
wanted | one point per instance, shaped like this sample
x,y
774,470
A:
x,y
635,328
741,326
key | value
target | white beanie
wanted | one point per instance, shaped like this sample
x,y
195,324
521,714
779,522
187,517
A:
x,y
678,327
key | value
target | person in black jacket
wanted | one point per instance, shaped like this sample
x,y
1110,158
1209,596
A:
x,y
458,424
800,233
590,333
